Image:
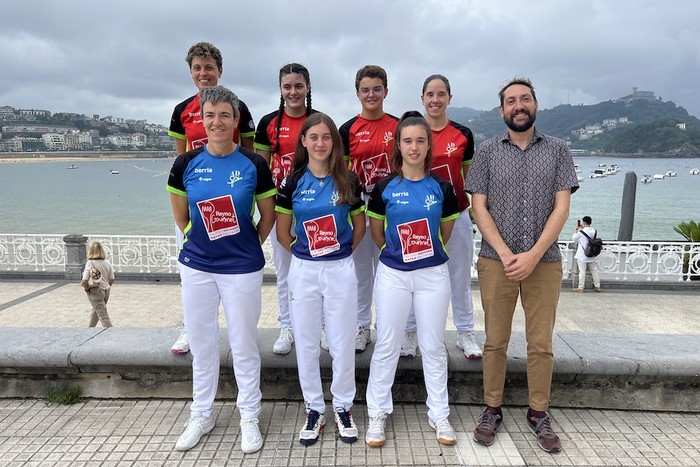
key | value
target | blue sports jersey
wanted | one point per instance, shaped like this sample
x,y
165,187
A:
x,y
322,227
412,212
221,192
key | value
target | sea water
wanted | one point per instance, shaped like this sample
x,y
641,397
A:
x,y
47,198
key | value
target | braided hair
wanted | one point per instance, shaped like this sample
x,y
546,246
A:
x,y
286,70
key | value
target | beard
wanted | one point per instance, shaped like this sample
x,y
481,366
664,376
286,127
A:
x,y
522,127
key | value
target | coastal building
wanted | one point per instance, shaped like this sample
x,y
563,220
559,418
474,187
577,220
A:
x,y
54,141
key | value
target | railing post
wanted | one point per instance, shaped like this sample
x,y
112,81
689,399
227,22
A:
x,y
76,255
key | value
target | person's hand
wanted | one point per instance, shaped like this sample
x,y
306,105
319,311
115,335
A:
x,y
519,267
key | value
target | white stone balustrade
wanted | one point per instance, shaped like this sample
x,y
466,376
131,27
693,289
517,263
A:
x,y
619,261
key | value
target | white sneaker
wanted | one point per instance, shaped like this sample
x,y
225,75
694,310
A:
x,y
467,342
195,428
409,346
251,439
324,339
182,344
347,430
444,432
375,436
362,338
283,344
313,426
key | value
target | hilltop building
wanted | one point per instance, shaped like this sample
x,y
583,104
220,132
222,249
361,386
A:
x,y
638,95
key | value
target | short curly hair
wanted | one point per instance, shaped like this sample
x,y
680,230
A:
x,y
205,50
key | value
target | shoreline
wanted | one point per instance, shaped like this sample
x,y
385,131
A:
x,y
74,156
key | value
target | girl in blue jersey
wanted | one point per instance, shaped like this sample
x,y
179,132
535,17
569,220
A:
x,y
213,190
412,213
324,199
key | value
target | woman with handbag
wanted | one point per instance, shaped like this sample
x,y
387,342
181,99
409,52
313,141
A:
x,y
98,278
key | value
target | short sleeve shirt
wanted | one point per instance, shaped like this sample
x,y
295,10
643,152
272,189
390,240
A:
x,y
368,145
453,149
266,138
412,212
520,186
322,225
186,123
221,192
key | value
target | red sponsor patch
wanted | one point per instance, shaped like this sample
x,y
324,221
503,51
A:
x,y
443,171
219,217
374,169
281,167
416,242
198,143
322,235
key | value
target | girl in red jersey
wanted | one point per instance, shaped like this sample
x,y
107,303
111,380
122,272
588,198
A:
x,y
453,149
275,140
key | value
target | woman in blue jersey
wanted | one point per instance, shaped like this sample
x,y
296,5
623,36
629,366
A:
x,y
213,190
323,198
412,213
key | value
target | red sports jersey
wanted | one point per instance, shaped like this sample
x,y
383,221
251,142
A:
x,y
186,123
453,148
266,140
369,145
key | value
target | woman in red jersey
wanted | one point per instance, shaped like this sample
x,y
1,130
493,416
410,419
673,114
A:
x,y
453,150
206,67
275,140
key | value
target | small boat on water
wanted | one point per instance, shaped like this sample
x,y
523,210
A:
x,y
113,171
659,176
599,173
72,166
671,173
694,171
647,178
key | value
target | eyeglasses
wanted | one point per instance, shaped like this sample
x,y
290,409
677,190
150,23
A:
x,y
378,90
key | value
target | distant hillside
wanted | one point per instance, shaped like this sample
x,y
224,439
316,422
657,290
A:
x,y
663,135
462,114
562,120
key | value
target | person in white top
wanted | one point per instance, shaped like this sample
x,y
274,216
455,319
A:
x,y
584,262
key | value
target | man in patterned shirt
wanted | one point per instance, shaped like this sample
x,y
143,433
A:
x,y
521,185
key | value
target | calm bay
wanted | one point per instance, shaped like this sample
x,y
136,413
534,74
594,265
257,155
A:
x,y
47,198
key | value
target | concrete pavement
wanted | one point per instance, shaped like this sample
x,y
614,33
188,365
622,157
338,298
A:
x,y
143,432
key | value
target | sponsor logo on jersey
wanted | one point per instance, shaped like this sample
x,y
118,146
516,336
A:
x,y
322,235
388,137
450,148
281,166
198,143
374,169
234,177
204,170
416,241
335,197
443,171
429,201
219,217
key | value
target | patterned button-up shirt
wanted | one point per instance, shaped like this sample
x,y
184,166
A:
x,y
520,186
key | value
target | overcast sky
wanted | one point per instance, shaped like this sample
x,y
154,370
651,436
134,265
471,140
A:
x,y
126,58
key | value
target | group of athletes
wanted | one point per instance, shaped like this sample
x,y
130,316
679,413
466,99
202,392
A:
x,y
367,212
